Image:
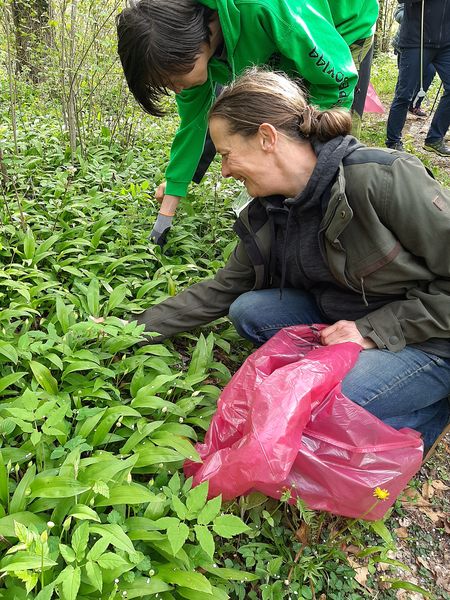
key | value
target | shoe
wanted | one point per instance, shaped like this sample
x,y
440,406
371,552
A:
x,y
395,146
416,110
438,147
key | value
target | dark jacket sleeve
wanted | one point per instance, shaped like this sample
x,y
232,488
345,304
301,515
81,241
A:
x,y
417,210
203,302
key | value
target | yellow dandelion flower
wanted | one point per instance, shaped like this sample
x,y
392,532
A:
x,y
380,493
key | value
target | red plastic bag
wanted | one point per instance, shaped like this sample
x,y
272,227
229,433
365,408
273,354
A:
x,y
282,422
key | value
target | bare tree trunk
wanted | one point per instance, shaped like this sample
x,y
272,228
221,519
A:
x,y
71,100
384,25
30,18
10,69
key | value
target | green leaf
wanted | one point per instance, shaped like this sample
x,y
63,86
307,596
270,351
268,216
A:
x,y
67,553
196,498
52,486
202,356
93,297
97,549
179,507
188,579
131,493
4,482
62,314
9,352
80,538
155,387
145,586
177,534
216,594
111,561
94,574
232,574
228,526
83,512
46,593
210,511
396,584
19,499
183,446
153,456
44,377
8,380
7,524
115,535
71,579
117,297
380,529
29,244
23,562
205,539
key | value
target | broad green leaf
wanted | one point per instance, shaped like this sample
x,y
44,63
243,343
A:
x,y
67,553
93,297
205,539
396,584
145,586
19,499
52,486
46,593
4,482
115,535
177,534
7,524
29,244
80,538
23,561
83,512
157,385
117,297
196,498
8,380
148,404
232,574
380,529
97,549
228,526
154,456
179,507
132,493
183,446
44,377
111,561
9,352
216,594
94,574
62,314
71,579
210,511
188,579
201,356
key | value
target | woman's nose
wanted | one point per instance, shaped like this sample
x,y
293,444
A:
x,y
225,170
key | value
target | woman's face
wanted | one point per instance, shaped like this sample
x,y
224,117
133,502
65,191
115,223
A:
x,y
244,159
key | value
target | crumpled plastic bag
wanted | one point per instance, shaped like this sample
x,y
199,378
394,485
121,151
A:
x,y
282,422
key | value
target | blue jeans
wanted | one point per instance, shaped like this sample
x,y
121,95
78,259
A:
x,y
408,79
404,389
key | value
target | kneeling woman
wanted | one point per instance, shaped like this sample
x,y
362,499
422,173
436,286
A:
x,y
337,233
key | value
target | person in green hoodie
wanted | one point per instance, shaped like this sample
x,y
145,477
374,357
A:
x,y
190,46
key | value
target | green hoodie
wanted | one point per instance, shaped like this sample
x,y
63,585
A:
x,y
294,36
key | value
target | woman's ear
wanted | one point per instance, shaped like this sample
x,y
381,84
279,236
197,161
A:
x,y
268,137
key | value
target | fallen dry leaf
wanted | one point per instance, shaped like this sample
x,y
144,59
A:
x,y
439,485
434,515
351,549
421,561
361,572
402,532
302,533
427,490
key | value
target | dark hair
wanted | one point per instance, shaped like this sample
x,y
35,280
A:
x,y
157,39
260,96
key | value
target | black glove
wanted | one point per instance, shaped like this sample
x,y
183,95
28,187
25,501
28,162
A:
x,y
160,229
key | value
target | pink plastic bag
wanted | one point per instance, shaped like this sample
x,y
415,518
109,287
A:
x,y
282,422
373,104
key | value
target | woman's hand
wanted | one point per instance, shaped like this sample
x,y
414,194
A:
x,y
344,331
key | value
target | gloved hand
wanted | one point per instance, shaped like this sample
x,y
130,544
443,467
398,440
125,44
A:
x,y
160,229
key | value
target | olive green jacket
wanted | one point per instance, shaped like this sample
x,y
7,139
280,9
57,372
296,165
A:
x,y
386,231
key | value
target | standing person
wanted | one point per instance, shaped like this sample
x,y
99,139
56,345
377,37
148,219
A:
x,y
424,40
415,106
337,233
190,46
